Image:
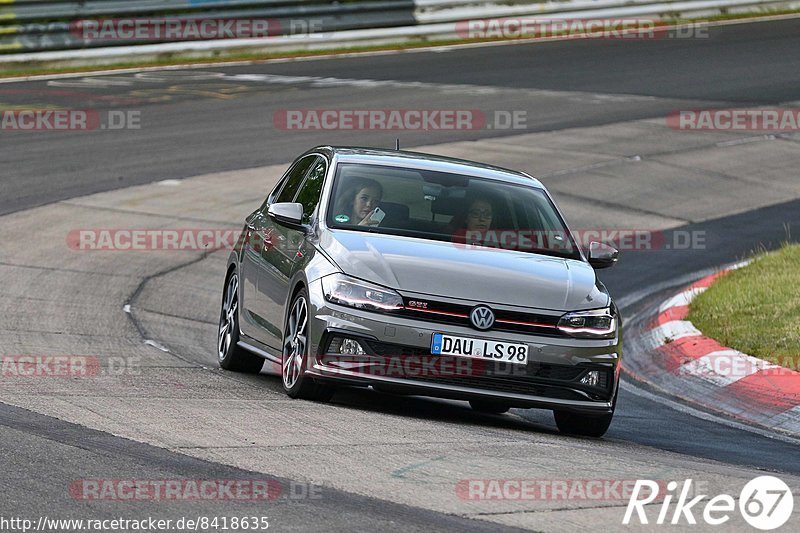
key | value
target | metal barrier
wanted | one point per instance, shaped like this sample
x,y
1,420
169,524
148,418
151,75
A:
x,y
31,25
49,25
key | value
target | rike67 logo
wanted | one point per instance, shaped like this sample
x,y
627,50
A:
x,y
765,503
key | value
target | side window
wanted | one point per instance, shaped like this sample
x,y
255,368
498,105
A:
x,y
312,188
293,180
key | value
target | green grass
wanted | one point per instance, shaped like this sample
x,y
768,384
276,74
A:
x,y
7,71
756,309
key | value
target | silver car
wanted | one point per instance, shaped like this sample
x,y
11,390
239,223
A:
x,y
417,274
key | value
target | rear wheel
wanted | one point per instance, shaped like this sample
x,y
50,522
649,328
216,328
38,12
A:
x,y
488,406
295,355
229,354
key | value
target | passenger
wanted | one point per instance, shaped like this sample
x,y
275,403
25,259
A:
x,y
479,215
472,223
357,201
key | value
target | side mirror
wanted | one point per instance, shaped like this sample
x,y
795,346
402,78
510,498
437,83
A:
x,y
602,255
287,214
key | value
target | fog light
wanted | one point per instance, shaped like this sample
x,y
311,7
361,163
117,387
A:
x,y
350,347
592,378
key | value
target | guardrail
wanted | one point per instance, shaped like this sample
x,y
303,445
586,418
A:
x,y
31,25
52,25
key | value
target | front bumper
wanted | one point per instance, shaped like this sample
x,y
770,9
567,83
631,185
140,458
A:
x,y
398,358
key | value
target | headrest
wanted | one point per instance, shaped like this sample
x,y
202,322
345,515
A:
x,y
447,206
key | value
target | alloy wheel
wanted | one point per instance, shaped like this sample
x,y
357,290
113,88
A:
x,y
295,342
227,319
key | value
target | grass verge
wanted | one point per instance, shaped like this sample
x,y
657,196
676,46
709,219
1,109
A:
x,y
756,309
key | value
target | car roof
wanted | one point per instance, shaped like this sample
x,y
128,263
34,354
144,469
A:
x,y
422,161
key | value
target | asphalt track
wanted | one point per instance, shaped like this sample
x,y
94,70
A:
x,y
193,128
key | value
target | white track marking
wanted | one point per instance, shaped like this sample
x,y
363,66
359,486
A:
x,y
157,345
708,417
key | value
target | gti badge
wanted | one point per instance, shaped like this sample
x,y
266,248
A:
x,y
482,317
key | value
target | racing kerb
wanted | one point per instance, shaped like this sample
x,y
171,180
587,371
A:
x,y
671,354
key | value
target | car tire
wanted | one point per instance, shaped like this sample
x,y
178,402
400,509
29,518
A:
x,y
295,355
586,425
489,407
229,354
582,425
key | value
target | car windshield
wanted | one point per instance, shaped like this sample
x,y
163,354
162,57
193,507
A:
x,y
447,207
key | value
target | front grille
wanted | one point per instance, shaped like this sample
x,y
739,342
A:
x,y
540,379
385,349
458,314
509,385
418,364
531,370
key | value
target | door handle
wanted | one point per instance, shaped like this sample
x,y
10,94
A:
x,y
264,240
258,240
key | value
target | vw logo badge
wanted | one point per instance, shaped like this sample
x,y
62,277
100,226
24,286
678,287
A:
x,y
482,317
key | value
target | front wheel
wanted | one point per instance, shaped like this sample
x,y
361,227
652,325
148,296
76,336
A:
x,y
229,354
489,407
295,355
583,425
586,425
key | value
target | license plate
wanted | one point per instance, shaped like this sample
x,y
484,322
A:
x,y
479,349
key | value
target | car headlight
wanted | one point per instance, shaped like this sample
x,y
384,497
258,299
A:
x,y
344,290
596,324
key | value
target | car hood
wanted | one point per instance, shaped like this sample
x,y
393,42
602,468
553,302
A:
x,y
449,270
